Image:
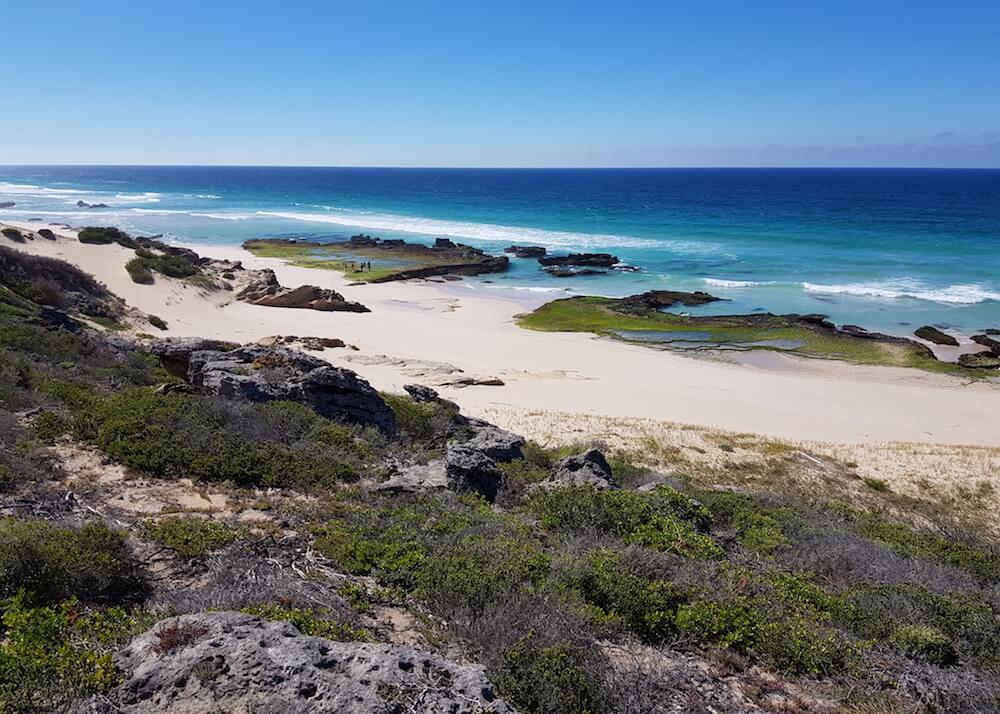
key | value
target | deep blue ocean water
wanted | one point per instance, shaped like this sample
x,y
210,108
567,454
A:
x,y
888,249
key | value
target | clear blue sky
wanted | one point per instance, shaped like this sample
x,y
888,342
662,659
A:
x,y
504,83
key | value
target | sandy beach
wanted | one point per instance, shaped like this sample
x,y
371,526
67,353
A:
x,y
420,332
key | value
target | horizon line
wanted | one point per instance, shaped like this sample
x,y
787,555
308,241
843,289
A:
x,y
504,168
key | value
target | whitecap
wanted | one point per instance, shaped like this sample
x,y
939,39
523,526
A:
x,y
964,294
722,283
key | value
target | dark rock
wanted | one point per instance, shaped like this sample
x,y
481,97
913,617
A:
x,y
498,444
212,662
863,334
654,300
363,240
933,334
315,344
817,320
264,374
525,251
473,382
420,393
175,352
596,260
84,204
987,341
589,468
443,244
265,290
469,469
980,360
7,204
992,331
46,233
478,266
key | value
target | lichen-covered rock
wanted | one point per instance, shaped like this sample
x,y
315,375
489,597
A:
x,y
239,664
175,352
264,374
587,469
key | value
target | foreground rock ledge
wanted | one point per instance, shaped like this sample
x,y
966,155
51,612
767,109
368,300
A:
x,y
230,662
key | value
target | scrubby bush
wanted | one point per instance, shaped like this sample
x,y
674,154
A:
x,y
430,423
139,271
51,564
213,439
663,519
540,679
311,621
757,527
191,536
105,236
146,262
927,643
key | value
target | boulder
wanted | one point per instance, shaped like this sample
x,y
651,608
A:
x,y
525,251
496,443
417,479
443,244
46,233
469,469
420,393
587,469
175,352
264,289
654,300
987,341
84,204
7,204
594,260
212,662
263,374
933,334
980,360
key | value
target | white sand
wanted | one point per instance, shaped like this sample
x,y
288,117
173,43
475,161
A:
x,y
562,372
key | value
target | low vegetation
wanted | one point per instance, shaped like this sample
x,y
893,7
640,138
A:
x,y
733,332
664,595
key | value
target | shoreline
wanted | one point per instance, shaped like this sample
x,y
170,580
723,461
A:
x,y
416,330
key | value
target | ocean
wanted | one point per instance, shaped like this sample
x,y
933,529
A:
x,y
889,249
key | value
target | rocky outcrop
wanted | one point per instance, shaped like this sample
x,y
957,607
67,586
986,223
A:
x,y
264,289
525,251
480,266
654,300
470,470
7,204
496,443
444,244
84,204
862,333
230,662
175,352
593,260
46,233
933,334
315,344
980,360
587,469
986,341
417,478
264,374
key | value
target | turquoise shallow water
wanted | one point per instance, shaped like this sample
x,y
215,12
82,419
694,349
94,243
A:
x,y
888,249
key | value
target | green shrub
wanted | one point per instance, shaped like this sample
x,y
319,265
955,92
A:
x,y
105,236
757,527
310,621
428,422
51,564
191,536
546,680
663,519
139,271
49,426
54,655
212,439
925,643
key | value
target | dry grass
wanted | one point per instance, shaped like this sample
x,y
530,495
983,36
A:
x,y
925,483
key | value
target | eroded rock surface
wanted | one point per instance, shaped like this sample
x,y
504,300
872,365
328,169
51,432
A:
x,y
230,662
933,334
264,289
587,469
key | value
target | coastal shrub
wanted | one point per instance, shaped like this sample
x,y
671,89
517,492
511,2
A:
x,y
981,561
540,679
315,622
139,271
106,235
14,234
51,564
191,536
663,519
214,439
757,527
426,422
926,643
51,656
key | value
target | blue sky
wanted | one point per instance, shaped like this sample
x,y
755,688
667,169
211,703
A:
x,y
484,83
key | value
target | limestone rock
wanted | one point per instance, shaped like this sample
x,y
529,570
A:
x,y
589,468
496,443
469,469
980,360
933,334
417,479
264,289
213,662
263,374
175,352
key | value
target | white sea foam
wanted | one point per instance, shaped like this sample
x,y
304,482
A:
x,y
487,232
969,294
147,197
27,189
722,283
